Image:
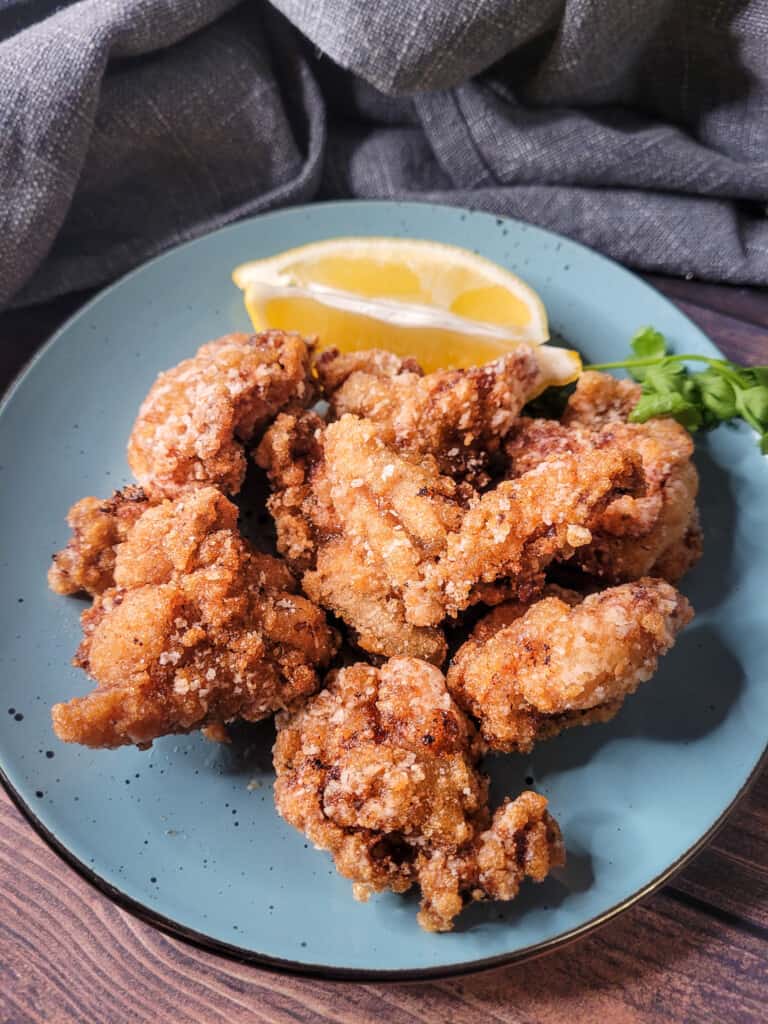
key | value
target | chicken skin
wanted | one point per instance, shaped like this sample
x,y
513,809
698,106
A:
x,y
380,769
656,533
393,547
87,563
198,630
530,671
198,416
599,399
458,416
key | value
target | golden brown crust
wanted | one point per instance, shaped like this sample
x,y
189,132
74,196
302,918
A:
x,y
200,629
600,398
353,588
380,769
291,452
458,416
340,534
681,555
634,532
517,529
523,841
531,672
505,614
334,368
197,417
87,562
393,547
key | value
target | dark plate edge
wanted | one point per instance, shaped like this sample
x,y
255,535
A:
x,y
292,967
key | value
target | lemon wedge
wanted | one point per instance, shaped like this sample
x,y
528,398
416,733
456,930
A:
x,y
444,305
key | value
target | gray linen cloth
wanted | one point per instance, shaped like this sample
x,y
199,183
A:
x,y
127,126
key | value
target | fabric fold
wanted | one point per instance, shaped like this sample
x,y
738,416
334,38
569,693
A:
x,y
129,126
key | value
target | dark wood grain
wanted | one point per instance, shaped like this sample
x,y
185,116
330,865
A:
x,y
750,305
696,951
66,953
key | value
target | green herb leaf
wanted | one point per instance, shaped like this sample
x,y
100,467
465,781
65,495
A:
x,y
717,394
753,375
670,404
753,406
723,391
665,378
649,343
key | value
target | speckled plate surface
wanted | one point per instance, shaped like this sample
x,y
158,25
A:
x,y
186,833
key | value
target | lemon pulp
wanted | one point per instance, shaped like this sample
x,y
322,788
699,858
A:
x,y
443,305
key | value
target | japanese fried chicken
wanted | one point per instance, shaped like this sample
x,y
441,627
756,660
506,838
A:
x,y
198,630
600,399
458,416
393,547
198,416
380,769
87,563
530,671
655,533
414,498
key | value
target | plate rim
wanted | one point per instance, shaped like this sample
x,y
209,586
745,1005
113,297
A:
x,y
297,968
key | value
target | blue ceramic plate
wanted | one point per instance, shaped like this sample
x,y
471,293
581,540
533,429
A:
x,y
185,833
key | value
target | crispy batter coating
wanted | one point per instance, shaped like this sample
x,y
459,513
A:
x,y
528,672
353,586
334,368
292,453
200,629
600,398
393,547
655,533
391,516
505,614
197,417
681,555
458,416
380,769
310,534
87,563
514,531
339,560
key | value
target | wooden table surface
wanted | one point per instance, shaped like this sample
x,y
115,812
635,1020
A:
x,y
695,951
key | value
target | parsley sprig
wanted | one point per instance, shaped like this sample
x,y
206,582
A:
x,y
699,400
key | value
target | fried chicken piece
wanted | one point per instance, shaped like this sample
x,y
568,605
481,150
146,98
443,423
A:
x,y
197,417
354,588
339,562
654,533
530,671
310,535
292,454
505,614
459,416
334,368
600,398
681,555
393,547
87,562
200,629
513,532
380,769
392,516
